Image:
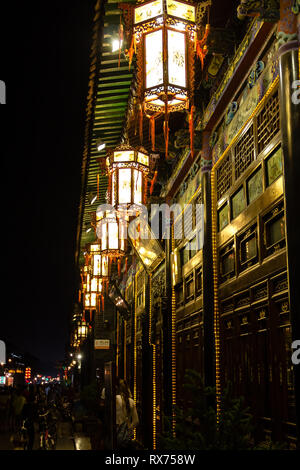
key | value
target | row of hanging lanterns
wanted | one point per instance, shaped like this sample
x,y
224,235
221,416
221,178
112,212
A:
x,y
127,170
95,275
165,39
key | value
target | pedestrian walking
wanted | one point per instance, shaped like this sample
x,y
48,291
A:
x,y
18,403
126,415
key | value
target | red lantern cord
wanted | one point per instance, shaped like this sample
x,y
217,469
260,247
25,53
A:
x,y
126,265
141,124
191,129
119,267
109,188
102,301
166,133
201,48
166,127
152,131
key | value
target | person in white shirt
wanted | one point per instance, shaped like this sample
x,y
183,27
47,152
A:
x,y
126,413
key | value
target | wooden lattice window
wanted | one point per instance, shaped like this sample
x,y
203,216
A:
x,y
244,152
268,122
178,231
189,287
188,220
179,295
224,176
198,281
197,212
227,262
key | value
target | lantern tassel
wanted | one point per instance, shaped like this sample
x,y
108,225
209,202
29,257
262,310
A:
x,y
201,48
119,267
152,132
126,265
102,301
153,181
132,50
191,129
166,134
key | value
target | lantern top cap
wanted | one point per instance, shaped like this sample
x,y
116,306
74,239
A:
x,y
125,146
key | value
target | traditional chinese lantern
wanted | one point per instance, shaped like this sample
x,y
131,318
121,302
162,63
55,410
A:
x,y
81,330
165,40
90,300
112,234
99,263
128,168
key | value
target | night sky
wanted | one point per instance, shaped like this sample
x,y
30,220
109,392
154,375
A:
x,y
44,60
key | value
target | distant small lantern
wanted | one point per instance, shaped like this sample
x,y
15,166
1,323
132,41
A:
x,y
128,168
81,330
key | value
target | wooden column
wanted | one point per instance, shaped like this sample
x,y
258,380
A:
x,y
290,128
207,268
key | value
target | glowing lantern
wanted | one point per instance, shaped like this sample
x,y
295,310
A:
x,y
81,332
28,374
99,263
127,169
111,232
165,40
90,299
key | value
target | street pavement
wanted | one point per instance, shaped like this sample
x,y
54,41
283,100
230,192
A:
x,y
64,442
